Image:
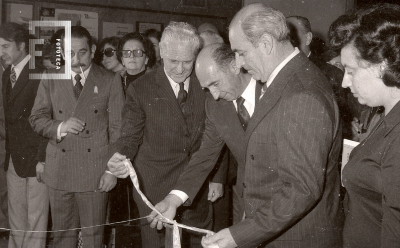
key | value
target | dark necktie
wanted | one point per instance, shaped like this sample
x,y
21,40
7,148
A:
x,y
13,77
78,86
244,116
182,95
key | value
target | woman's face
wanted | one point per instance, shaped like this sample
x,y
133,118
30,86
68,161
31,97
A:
x,y
156,45
363,79
110,62
134,64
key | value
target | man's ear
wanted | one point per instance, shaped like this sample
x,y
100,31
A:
x,y
93,50
233,67
267,43
309,38
21,46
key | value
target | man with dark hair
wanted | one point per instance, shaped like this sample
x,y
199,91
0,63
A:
x,y
28,201
290,181
80,116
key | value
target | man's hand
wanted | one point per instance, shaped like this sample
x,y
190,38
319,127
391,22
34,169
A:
x,y
72,125
39,171
167,208
107,182
223,238
215,191
117,166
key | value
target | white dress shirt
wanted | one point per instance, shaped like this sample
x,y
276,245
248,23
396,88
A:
x,y
175,86
279,68
19,67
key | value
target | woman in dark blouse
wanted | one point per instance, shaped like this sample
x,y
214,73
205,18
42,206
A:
x,y
136,53
370,55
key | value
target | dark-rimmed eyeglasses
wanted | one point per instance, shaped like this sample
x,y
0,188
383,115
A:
x,y
109,52
135,53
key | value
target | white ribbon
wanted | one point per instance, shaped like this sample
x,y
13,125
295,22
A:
x,y
176,235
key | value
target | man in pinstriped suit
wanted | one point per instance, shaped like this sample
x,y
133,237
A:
x,y
160,132
290,180
81,116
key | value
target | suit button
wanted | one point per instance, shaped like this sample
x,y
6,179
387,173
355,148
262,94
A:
x,y
96,111
189,154
88,150
60,111
187,135
251,157
63,150
87,131
244,185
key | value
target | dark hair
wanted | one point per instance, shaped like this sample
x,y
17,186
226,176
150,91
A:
x,y
152,33
98,55
147,45
375,34
293,36
80,32
223,56
11,31
304,22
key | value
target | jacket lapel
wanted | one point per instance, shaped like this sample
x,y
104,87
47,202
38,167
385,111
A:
x,y
66,93
273,93
87,93
164,91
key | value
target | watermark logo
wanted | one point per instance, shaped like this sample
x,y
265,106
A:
x,y
67,49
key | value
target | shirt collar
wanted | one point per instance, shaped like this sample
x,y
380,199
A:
x,y
86,73
249,93
281,65
392,119
20,66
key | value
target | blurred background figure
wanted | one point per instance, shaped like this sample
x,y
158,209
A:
x,y
155,37
207,27
136,53
3,181
210,37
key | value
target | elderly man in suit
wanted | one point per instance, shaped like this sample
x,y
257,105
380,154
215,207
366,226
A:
x,y
81,116
28,201
163,122
290,181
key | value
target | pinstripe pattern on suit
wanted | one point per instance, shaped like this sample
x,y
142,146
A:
x,y
159,139
291,178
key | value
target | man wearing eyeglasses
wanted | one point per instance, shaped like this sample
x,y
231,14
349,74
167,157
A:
x,y
80,116
162,126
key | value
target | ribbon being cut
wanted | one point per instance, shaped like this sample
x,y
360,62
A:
x,y
176,236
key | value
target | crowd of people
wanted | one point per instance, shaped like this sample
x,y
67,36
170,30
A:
x,y
256,121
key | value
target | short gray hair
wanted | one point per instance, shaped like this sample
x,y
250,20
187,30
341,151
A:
x,y
265,21
181,32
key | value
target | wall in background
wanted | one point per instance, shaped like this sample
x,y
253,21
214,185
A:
x,y
321,13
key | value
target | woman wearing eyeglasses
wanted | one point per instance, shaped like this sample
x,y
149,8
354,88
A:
x,y
137,54
106,54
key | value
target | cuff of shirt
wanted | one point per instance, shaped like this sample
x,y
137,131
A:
x,y
59,134
180,194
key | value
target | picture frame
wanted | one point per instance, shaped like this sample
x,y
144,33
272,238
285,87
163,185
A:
x,y
141,27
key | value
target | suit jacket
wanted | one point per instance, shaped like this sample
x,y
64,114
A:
x,y
77,162
24,146
155,133
290,181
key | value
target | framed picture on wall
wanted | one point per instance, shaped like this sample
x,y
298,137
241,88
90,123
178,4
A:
x,y
194,3
141,27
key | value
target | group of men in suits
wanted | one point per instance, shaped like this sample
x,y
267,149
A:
x,y
288,149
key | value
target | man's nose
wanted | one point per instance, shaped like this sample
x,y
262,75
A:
x,y
239,61
179,68
346,83
215,94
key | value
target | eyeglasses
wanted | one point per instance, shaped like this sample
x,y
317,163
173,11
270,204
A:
x,y
109,52
135,53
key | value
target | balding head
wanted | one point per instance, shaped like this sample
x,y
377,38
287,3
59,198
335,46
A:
x,y
216,70
207,27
